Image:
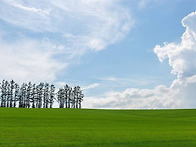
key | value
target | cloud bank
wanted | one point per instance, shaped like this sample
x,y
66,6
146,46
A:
x,y
181,93
44,36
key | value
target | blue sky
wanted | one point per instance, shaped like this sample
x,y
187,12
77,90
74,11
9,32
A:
x,y
112,48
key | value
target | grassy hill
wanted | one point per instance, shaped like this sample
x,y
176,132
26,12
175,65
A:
x,y
83,127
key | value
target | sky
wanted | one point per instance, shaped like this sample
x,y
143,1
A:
x,y
125,54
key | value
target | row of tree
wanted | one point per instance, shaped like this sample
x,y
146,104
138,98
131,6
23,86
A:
x,y
42,95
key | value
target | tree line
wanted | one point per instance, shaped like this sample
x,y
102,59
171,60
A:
x,y
42,95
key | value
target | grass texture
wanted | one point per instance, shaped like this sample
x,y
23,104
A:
x,y
85,127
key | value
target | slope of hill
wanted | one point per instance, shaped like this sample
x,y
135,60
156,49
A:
x,y
85,127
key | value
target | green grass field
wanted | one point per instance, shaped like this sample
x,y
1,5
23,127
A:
x,y
83,127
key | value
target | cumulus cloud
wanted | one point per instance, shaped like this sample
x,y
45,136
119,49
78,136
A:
x,y
182,59
181,93
56,32
133,98
181,56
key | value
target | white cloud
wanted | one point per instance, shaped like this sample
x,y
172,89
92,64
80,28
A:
x,y
182,56
111,78
94,85
60,29
91,24
181,93
160,97
126,81
144,3
28,60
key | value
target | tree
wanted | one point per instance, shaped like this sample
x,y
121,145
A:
x,y
38,96
29,95
3,94
11,92
52,95
46,96
66,89
81,95
16,94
